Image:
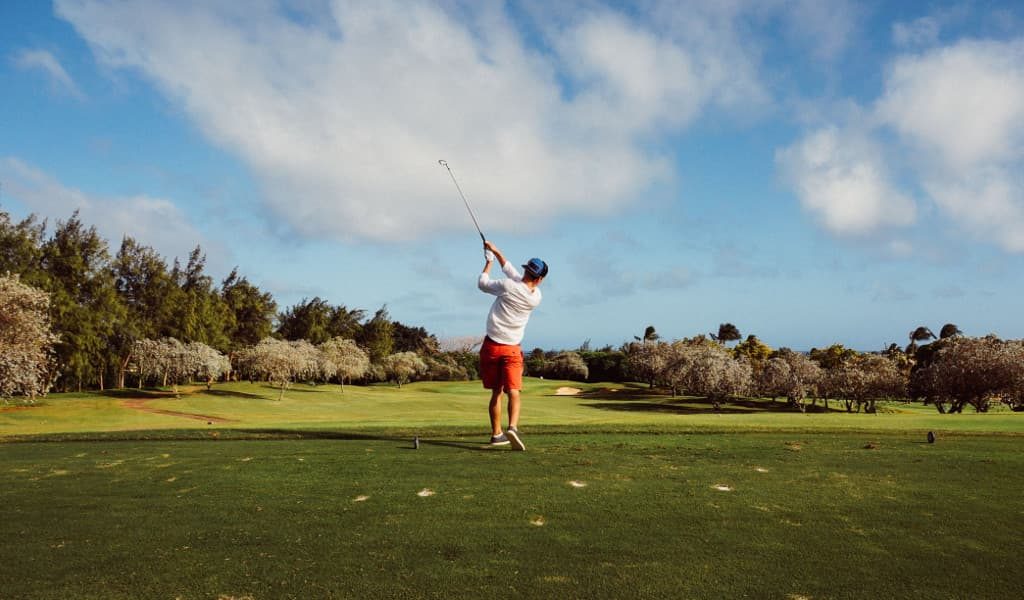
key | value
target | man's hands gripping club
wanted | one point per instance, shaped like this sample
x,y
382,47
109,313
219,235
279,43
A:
x,y
491,253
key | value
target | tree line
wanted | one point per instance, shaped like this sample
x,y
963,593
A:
x,y
949,371
97,306
73,316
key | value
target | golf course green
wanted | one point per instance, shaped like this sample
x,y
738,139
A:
x,y
622,493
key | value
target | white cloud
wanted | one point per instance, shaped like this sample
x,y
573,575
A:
x,y
42,60
151,221
343,121
960,109
965,101
841,177
957,113
988,202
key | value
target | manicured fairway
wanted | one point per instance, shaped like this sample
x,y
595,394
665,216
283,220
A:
x,y
621,494
578,515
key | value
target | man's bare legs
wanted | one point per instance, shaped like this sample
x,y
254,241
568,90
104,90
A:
x,y
513,409
495,410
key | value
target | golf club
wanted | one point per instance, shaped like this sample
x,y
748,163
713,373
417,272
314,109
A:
x,y
444,164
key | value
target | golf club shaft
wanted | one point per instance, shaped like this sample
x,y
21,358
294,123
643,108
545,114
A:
x,y
444,164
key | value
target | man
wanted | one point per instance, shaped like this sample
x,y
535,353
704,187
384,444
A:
x,y
501,358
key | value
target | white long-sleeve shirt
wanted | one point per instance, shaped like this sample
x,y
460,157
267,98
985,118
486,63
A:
x,y
506,323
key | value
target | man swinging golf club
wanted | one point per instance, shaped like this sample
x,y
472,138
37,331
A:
x,y
501,358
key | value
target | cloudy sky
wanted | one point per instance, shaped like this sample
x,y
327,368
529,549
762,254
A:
x,y
812,171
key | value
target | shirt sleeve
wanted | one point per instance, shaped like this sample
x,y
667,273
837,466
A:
x,y
489,286
510,271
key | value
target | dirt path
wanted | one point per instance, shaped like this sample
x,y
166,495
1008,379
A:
x,y
140,404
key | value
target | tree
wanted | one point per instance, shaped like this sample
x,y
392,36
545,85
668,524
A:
x,y
280,362
346,323
949,330
727,332
349,360
833,356
447,366
567,365
790,375
972,371
402,366
252,311
375,335
146,290
703,368
650,335
201,315
605,364
755,351
463,343
308,320
84,306
863,380
208,364
21,249
646,361
27,365
919,334
413,339
146,356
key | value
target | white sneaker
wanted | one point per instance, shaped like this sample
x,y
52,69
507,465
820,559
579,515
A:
x,y
513,437
499,440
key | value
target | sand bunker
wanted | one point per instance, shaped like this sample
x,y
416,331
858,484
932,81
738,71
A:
x,y
425,492
577,484
722,487
761,469
567,391
361,499
537,521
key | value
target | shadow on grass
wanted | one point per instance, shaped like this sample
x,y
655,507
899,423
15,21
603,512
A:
x,y
405,440
653,401
291,389
135,394
233,394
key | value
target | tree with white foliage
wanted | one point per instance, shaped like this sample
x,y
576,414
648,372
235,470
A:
x,y
646,360
281,362
791,375
864,379
208,363
974,371
175,362
402,366
348,359
27,365
567,365
703,368
463,343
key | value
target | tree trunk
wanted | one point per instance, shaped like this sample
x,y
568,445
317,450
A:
x,y
281,395
123,369
101,378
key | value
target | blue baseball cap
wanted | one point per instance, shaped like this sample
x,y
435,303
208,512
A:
x,y
536,267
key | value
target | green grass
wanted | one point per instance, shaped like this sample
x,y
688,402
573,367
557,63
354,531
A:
x,y
104,501
462,406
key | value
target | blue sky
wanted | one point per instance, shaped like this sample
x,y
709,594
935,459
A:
x,y
814,172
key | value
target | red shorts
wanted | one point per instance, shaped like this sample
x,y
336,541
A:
x,y
501,366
